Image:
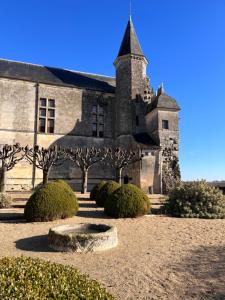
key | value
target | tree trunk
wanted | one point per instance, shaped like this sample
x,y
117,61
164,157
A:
x,y
3,180
119,175
45,177
84,181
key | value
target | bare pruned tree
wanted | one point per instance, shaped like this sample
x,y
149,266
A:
x,y
85,158
44,159
118,158
10,155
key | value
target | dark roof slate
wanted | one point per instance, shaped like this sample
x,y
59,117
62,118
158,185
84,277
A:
x,y
55,76
163,101
130,43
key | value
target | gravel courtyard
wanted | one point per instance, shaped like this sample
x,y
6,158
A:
x,y
157,257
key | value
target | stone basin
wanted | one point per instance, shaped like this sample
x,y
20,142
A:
x,y
82,237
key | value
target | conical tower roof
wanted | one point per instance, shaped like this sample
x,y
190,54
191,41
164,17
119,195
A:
x,y
130,43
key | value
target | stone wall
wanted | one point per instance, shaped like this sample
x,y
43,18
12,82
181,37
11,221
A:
x,y
167,135
73,127
131,82
163,137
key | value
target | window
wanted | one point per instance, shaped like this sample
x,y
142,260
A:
x,y
51,103
42,112
51,113
100,110
94,118
46,115
94,129
101,130
137,120
43,102
97,121
94,109
41,125
50,126
101,119
165,124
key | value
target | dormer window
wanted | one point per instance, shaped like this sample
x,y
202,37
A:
x,y
165,124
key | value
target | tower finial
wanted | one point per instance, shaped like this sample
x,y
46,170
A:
x,y
161,90
130,9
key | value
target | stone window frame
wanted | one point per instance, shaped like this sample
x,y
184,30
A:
x,y
165,124
46,115
98,120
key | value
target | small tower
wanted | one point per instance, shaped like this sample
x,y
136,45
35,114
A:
x,y
131,81
162,120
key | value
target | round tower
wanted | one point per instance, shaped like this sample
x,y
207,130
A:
x,y
131,82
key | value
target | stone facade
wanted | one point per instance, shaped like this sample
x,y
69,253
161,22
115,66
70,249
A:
x,y
132,116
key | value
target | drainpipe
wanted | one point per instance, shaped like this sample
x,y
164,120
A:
x,y
35,129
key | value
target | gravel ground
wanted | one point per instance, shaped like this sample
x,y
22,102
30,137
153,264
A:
x,y
157,257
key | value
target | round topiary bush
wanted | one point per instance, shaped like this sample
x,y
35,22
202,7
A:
x,y
31,278
196,199
5,200
54,200
106,190
128,201
96,189
64,184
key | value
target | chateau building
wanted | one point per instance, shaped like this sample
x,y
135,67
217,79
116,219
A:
x,y
50,106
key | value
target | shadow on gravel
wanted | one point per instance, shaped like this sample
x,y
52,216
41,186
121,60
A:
x,y
11,217
87,205
95,214
204,271
34,244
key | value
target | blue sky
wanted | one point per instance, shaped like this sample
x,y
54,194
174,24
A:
x,y
184,41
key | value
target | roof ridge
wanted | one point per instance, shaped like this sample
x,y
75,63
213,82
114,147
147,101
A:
x,y
65,69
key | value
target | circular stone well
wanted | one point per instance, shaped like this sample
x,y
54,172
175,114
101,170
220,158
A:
x,y
82,237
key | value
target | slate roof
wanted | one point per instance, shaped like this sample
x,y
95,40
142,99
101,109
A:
x,y
56,76
163,101
130,43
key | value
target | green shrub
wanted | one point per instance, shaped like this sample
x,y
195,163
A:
x,y
54,200
31,278
105,191
196,200
127,202
64,184
5,200
96,189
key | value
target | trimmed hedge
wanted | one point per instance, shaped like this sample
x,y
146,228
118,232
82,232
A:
x,y
196,199
54,200
128,201
32,278
106,190
64,184
96,189
5,200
